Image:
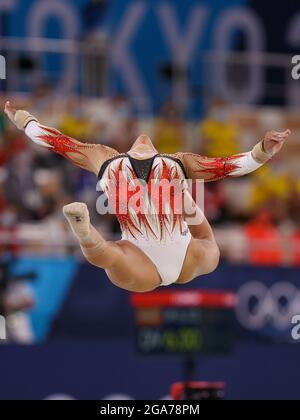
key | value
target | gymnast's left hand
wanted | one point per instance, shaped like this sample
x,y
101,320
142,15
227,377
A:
x,y
275,140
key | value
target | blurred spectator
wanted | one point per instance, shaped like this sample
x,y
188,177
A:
x,y
73,122
3,177
170,130
219,136
16,297
44,104
266,185
265,241
294,208
121,129
216,209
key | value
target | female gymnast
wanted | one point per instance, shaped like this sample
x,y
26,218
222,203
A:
x,y
158,248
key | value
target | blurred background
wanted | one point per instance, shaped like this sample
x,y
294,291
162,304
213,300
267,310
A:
x,y
210,77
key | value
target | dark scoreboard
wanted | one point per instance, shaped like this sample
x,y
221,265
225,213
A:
x,y
188,322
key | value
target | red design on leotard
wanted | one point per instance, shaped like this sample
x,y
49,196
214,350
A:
x,y
61,144
219,168
153,220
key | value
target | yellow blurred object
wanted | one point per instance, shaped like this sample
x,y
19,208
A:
x,y
266,185
169,137
219,138
75,127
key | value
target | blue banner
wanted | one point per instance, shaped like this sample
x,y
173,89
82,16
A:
x,y
157,48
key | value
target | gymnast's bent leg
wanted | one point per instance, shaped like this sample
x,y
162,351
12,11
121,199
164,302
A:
x,y
203,255
125,264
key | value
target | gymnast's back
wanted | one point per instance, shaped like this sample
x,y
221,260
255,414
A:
x,y
146,196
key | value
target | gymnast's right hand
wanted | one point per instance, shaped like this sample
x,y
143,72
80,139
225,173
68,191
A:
x,y
19,118
10,111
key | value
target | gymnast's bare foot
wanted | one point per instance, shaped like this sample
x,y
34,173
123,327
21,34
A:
x,y
78,217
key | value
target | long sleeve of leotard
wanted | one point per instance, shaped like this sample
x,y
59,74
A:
x,y
87,156
214,169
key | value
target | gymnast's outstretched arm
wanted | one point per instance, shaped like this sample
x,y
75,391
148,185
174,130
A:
x,y
87,156
208,169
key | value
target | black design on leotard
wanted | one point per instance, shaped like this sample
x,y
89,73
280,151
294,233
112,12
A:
x,y
142,168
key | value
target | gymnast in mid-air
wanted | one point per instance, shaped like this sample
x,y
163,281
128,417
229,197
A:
x,y
162,243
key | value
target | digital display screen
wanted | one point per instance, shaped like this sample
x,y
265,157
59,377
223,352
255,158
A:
x,y
184,330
